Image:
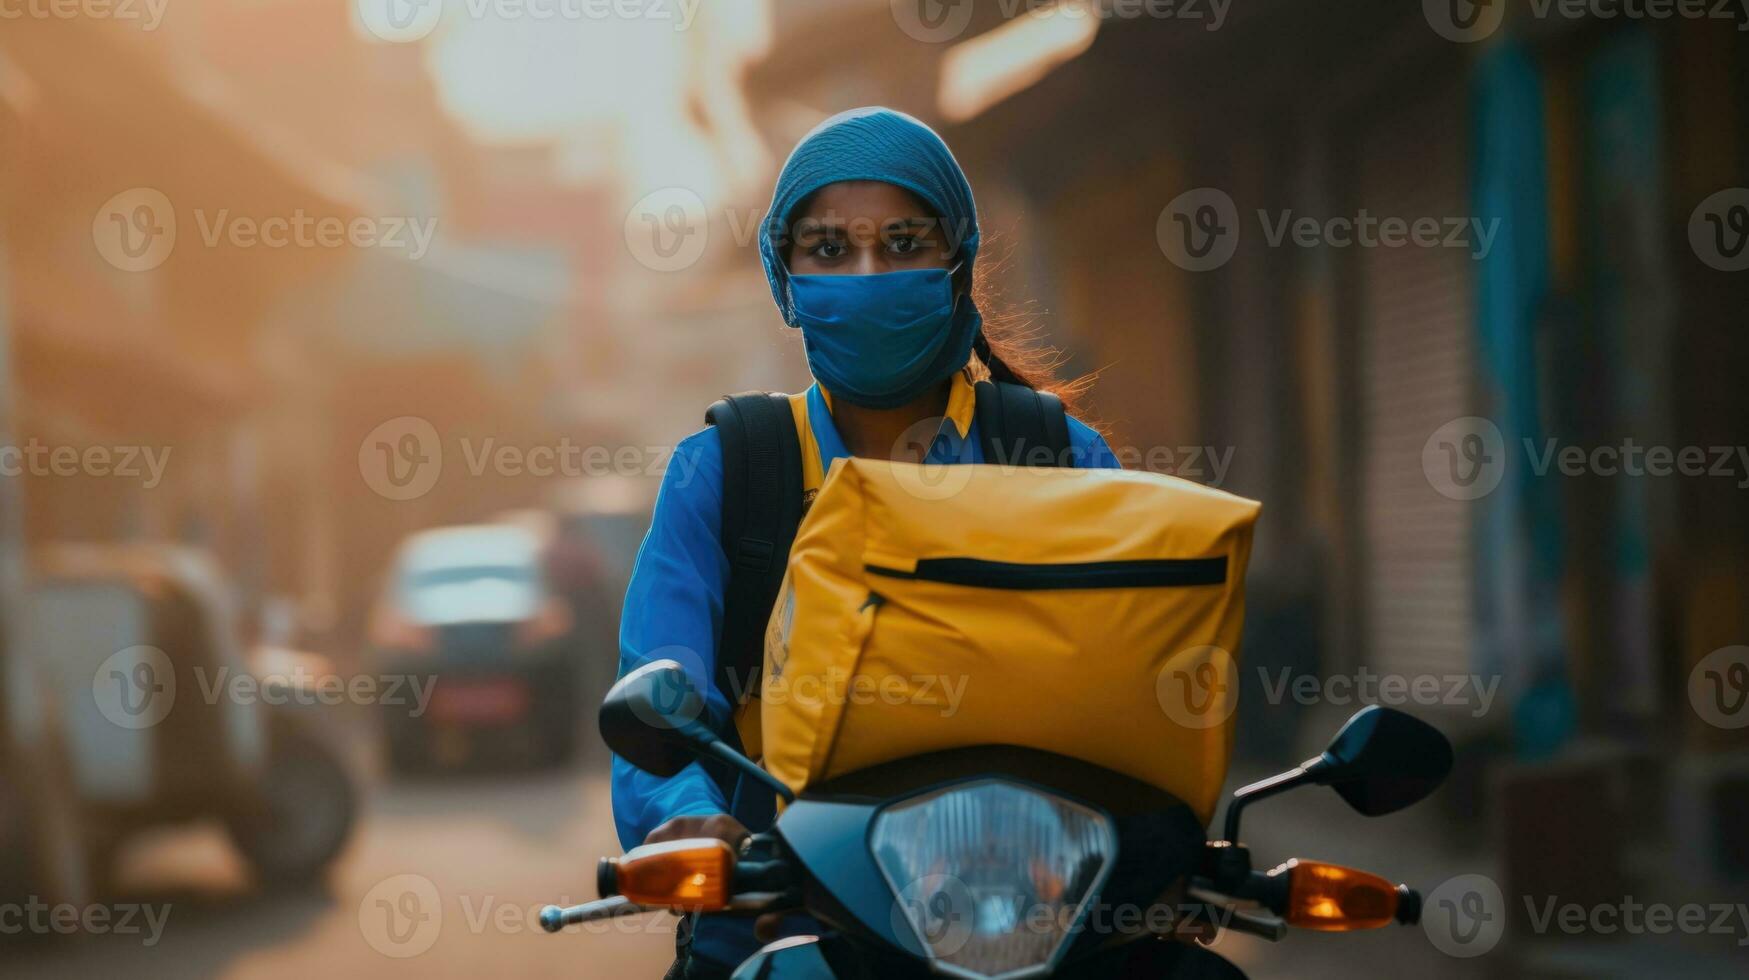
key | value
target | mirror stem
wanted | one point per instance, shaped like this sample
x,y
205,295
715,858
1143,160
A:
x,y
719,749
1305,773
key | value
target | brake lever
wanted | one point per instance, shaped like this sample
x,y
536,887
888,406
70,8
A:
x,y
1264,925
1247,915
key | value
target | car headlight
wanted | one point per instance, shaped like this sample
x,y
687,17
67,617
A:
x,y
991,876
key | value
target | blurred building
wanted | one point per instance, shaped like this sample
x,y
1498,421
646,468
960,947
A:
x,y
1582,147
152,363
260,372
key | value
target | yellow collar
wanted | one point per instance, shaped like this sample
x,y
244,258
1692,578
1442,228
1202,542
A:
x,y
962,401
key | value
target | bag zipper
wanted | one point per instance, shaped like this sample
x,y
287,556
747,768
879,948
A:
x,y
1141,573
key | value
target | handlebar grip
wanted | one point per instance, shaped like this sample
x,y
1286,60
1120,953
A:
x,y
553,918
1408,905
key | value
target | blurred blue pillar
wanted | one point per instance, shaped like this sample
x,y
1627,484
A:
x,y
1517,530
1633,303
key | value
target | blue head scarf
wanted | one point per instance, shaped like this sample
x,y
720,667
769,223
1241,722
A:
x,y
874,143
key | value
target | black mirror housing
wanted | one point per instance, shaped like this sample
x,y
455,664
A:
x,y
1383,760
650,718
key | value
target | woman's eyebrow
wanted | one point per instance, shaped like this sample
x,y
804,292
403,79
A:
x,y
827,225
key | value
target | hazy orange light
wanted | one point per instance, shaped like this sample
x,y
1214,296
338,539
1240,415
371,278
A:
x,y
978,73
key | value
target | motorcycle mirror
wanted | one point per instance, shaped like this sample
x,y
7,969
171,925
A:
x,y
650,718
1383,760
654,719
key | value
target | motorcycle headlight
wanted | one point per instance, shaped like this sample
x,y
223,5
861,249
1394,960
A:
x,y
992,877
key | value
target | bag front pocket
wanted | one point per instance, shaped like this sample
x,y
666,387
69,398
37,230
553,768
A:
x,y
1141,573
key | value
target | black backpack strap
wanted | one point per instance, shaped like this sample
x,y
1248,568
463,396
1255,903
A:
x,y
1018,426
762,507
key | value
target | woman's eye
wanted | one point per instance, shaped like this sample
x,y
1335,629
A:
x,y
828,250
904,245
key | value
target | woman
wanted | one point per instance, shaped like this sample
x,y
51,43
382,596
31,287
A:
x,y
870,246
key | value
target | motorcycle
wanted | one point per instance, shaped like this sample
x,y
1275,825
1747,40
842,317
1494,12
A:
x,y
998,861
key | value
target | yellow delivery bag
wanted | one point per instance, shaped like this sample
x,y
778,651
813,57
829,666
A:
x,y
1091,613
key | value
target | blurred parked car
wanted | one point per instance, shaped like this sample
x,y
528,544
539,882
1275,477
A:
x,y
158,715
468,615
41,846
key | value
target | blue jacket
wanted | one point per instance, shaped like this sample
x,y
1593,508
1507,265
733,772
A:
x,y
674,610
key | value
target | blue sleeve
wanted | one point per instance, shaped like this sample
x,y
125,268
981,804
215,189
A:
x,y
1089,448
674,610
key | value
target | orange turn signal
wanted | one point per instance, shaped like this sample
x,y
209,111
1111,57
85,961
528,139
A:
x,y
1332,898
686,875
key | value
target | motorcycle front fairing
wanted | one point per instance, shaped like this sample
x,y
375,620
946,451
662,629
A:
x,y
1154,840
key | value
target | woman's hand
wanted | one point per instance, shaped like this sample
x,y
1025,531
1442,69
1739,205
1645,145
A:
x,y
724,828
719,825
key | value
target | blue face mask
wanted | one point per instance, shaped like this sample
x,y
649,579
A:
x,y
880,341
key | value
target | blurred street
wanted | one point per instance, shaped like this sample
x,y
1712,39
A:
x,y
494,848
347,347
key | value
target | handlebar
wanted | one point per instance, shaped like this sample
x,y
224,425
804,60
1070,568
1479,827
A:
x,y
1330,898
553,918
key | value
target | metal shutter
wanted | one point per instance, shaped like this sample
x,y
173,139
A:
x,y
1415,376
